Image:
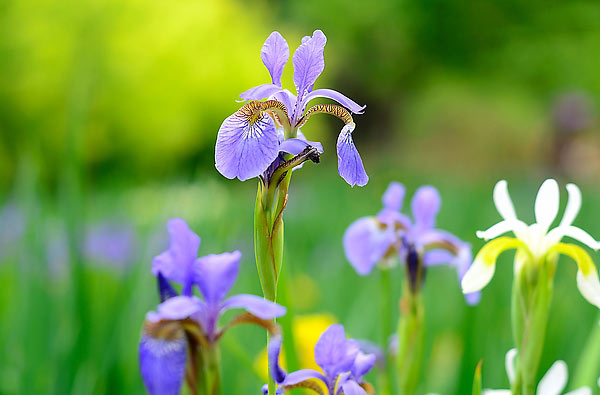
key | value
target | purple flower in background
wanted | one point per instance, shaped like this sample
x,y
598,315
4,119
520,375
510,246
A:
x,y
181,319
111,243
344,365
417,242
253,138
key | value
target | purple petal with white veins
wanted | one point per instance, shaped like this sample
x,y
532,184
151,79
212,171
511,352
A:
x,y
302,375
334,353
176,263
351,387
393,196
273,350
215,274
336,96
362,364
309,62
260,92
275,54
256,305
162,363
425,206
365,243
245,149
350,166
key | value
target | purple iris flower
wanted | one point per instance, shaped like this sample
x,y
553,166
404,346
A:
x,y
418,243
181,323
251,139
344,365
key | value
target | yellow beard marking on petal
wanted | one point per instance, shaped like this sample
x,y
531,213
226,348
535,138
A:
x,y
253,111
331,109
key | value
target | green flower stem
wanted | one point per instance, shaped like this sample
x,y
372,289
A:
x,y
411,340
532,292
589,363
287,323
211,361
386,378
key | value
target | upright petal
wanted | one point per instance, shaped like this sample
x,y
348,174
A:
x,y
162,356
555,380
246,146
336,96
309,63
573,205
503,202
275,54
425,206
334,353
350,166
256,305
175,263
393,196
509,364
546,203
365,243
216,273
362,364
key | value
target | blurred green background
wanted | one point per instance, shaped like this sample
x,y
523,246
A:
x,y
108,116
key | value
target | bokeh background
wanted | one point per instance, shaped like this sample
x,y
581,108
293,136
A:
x,y
108,117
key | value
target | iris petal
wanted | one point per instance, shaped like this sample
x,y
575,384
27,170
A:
x,y
256,305
216,273
503,202
246,148
350,166
365,243
546,203
393,196
162,362
425,206
275,54
573,205
336,96
555,380
309,62
175,263
260,92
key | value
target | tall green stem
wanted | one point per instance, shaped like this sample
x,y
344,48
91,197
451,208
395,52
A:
x,y
211,371
532,292
411,340
387,377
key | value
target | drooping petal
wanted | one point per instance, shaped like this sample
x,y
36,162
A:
x,y
176,263
260,92
573,205
393,196
555,380
245,146
299,376
176,308
256,305
309,63
482,270
334,353
546,203
338,97
273,350
556,234
350,387
350,166
503,202
275,54
587,275
365,243
425,205
216,273
162,357
509,364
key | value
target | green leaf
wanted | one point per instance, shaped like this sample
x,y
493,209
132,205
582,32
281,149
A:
x,y
477,379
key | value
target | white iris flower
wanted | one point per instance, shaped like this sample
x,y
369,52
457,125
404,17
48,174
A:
x,y
537,242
